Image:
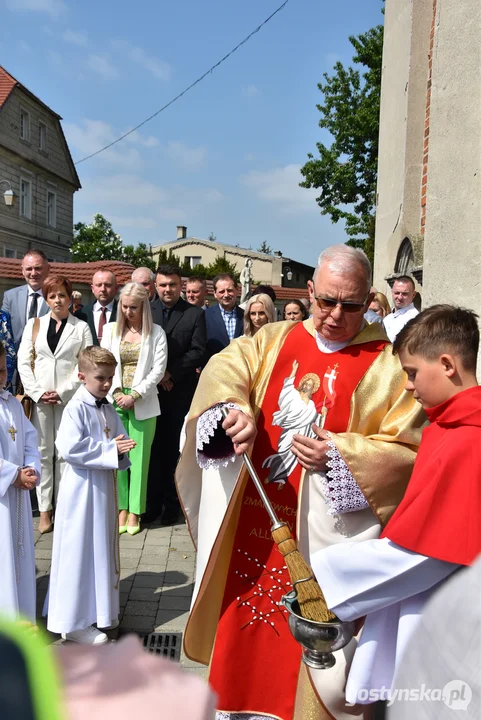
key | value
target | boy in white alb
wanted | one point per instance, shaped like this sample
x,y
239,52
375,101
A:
x,y
84,579
19,473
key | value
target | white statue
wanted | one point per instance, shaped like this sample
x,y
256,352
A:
x,y
246,280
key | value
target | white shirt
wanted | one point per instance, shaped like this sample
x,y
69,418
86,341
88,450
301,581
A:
x,y
40,301
394,323
97,308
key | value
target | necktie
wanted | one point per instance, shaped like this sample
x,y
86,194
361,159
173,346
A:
x,y
102,401
102,322
32,313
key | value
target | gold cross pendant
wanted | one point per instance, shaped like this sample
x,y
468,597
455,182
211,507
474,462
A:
x,y
107,432
12,432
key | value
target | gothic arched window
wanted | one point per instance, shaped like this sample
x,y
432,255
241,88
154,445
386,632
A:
x,y
405,257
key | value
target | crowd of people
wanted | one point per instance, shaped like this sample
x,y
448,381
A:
x,y
120,388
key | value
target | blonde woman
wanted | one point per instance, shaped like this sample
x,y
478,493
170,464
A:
x,y
140,348
259,311
380,305
47,365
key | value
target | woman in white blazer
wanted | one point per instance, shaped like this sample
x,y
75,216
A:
x,y
50,379
140,348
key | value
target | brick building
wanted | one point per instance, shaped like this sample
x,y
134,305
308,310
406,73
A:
x,y
36,164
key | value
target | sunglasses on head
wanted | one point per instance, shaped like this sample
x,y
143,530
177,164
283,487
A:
x,y
330,303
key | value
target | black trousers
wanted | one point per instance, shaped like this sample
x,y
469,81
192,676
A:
x,y
164,456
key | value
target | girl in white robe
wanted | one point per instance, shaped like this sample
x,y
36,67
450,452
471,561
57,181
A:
x,y
84,578
18,450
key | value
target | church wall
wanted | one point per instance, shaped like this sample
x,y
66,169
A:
x,y
452,242
401,138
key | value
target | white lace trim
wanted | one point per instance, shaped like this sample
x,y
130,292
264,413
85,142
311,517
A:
x,y
342,492
206,425
220,715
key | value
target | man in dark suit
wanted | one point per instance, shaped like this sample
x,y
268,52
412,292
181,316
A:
x,y
184,325
26,301
104,309
224,321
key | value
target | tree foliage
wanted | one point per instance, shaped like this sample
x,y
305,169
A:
x,y
99,241
265,248
220,265
346,172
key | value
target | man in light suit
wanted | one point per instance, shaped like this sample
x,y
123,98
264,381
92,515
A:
x,y
104,309
26,301
224,321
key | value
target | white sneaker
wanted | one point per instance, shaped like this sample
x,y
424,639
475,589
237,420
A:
x,y
113,626
89,636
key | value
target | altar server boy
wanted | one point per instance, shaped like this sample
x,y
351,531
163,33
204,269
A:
x,y
19,473
84,578
437,527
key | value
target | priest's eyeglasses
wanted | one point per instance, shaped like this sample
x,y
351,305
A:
x,y
328,304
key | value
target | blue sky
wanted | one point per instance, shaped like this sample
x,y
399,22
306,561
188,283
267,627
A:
x,y
225,158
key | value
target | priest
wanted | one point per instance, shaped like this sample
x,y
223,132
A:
x,y
350,472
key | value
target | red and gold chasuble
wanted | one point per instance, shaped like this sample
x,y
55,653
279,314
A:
x,y
255,663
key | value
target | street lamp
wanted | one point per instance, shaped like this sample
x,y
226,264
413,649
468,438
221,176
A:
x,y
9,196
287,273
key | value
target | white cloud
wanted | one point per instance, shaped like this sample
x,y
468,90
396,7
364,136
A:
x,y
95,134
114,193
186,157
159,69
92,135
102,65
24,47
251,91
54,8
149,142
75,38
280,186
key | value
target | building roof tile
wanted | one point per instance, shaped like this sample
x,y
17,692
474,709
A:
x,y
7,83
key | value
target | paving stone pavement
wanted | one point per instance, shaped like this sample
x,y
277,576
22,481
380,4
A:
x,y
156,582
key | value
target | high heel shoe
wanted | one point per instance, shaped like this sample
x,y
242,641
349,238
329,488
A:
x,y
122,529
133,530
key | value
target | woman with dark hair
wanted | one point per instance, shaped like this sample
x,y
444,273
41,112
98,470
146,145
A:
x,y
295,310
47,364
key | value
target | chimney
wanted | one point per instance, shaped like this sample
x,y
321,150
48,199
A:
x,y
181,232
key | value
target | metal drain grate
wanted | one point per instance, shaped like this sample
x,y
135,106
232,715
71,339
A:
x,y
166,644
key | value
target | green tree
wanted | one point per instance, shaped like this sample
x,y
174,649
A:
x,y
168,258
346,172
138,255
96,241
212,237
265,248
99,241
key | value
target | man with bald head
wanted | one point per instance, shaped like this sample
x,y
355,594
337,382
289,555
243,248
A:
x,y
144,276
104,309
26,301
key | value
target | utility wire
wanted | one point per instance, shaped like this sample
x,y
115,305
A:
x,y
177,97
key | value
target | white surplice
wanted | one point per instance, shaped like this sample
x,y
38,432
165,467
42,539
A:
x,y
17,557
83,576
388,584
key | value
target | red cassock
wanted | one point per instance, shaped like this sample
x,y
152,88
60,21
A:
x,y
440,515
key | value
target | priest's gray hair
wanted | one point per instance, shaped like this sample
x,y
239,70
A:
x,y
343,259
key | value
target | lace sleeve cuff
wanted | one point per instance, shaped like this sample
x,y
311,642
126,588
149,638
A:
x,y
342,491
214,448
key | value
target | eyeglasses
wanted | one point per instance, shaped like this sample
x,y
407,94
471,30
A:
x,y
347,307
